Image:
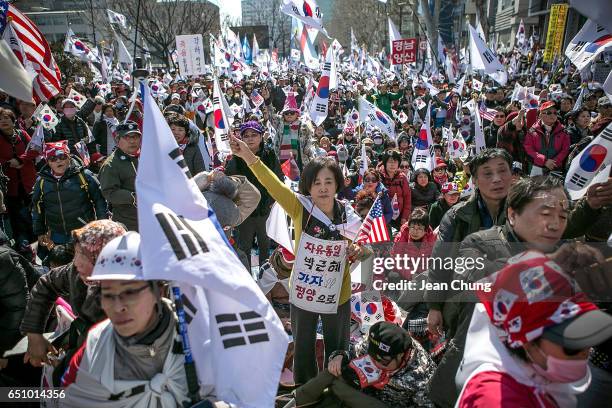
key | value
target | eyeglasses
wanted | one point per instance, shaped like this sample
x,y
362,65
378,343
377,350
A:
x,y
250,136
127,297
549,113
53,159
370,180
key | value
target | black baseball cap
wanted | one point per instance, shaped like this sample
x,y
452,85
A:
x,y
126,128
388,340
584,331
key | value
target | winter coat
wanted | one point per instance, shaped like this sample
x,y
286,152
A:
x,y
399,186
14,147
71,130
437,211
117,177
68,203
385,200
237,167
193,158
407,387
536,144
14,295
404,245
383,101
512,140
576,134
490,135
460,220
424,196
100,134
63,282
305,138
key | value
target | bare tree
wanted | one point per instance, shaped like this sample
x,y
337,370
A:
x,y
279,24
161,21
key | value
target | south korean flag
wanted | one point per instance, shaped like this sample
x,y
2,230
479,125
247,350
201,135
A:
x,y
591,166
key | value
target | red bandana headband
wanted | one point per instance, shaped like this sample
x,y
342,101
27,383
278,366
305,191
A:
x,y
57,149
530,294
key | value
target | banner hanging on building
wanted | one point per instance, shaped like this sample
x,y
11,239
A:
x,y
190,52
556,29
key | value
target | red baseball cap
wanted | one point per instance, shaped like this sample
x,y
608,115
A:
x,y
547,105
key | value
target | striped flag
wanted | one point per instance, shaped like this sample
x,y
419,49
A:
x,y
486,113
31,49
374,227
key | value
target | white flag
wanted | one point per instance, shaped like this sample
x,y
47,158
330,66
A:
x,y
394,34
47,117
123,54
422,156
591,40
220,118
277,227
595,159
232,328
306,11
370,114
311,58
319,104
482,57
458,88
479,134
15,80
116,18
78,98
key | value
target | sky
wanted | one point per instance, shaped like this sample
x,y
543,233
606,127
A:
x,y
230,7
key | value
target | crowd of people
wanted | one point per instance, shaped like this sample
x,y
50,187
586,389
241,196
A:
x,y
532,339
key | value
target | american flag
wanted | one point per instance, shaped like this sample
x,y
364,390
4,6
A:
x,y
486,113
256,98
31,48
374,227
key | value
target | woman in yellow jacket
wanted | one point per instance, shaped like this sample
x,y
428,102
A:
x,y
320,283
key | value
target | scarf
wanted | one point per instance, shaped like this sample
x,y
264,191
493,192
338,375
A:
x,y
290,141
349,229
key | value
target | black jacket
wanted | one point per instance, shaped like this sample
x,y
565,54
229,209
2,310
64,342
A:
x,y
237,167
424,197
68,203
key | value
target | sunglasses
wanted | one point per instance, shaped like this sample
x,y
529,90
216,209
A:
x,y
53,159
370,180
549,113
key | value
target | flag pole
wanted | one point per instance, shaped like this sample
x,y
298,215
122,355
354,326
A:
x,y
136,30
190,369
93,24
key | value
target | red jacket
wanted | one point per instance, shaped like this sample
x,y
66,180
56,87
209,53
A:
x,y
398,185
533,144
26,174
404,245
497,389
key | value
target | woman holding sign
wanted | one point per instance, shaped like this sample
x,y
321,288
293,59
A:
x,y
320,281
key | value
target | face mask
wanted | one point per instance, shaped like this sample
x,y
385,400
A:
x,y
70,112
562,371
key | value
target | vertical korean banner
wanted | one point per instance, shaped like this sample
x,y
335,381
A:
x,y
190,53
556,29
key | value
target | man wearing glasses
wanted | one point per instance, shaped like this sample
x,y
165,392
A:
x,y
547,143
118,175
